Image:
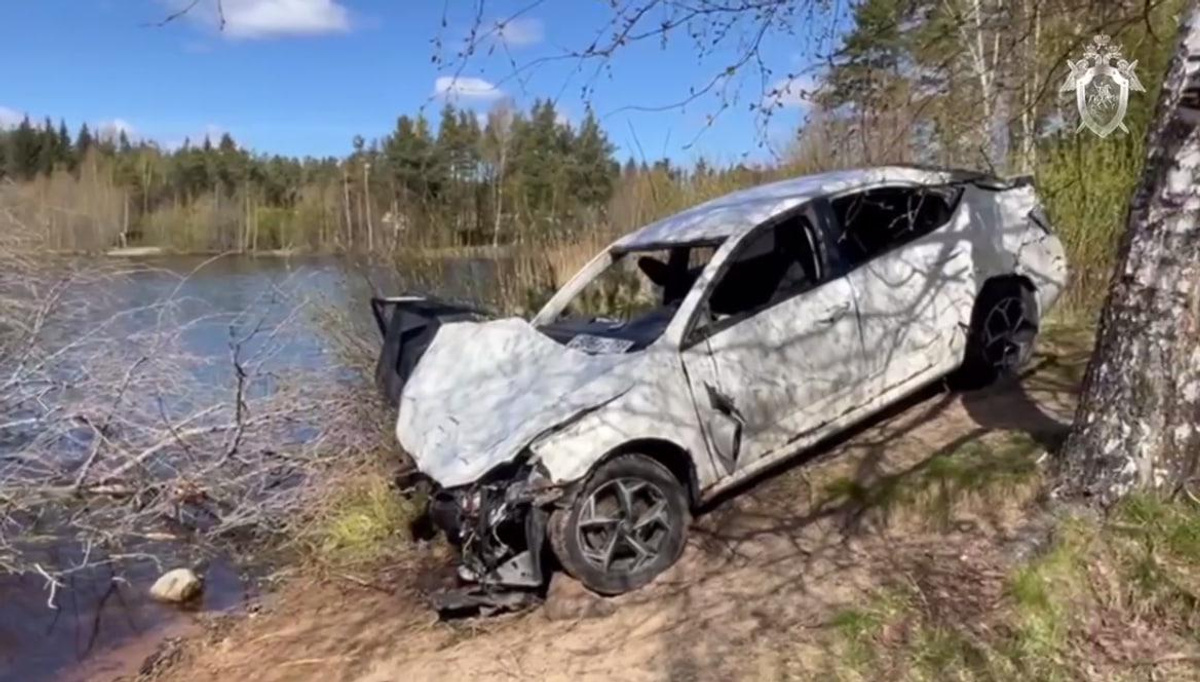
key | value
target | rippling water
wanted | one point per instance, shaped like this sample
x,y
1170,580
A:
x,y
103,628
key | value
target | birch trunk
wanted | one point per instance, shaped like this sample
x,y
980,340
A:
x,y
499,208
1138,422
346,206
367,206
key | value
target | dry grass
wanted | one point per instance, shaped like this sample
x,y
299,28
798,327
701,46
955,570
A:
x,y
360,519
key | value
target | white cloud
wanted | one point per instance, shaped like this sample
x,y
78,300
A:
x,y
10,118
111,130
252,19
520,32
562,119
791,93
465,87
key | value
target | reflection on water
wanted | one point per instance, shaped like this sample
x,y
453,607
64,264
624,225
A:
x,y
105,627
102,627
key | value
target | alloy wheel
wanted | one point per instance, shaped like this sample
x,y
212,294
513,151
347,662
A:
x,y
1007,334
623,524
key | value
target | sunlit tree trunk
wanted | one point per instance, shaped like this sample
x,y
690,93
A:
x,y
1030,89
984,54
346,206
1138,422
367,206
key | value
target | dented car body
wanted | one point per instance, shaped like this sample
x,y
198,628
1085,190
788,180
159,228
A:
x,y
738,334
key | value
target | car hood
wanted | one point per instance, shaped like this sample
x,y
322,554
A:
x,y
485,390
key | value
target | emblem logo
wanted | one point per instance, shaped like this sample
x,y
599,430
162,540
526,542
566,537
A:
x,y
1102,88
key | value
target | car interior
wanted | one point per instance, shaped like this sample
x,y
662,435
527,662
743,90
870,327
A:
x,y
878,220
781,261
633,305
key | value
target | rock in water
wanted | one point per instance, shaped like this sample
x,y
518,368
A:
x,y
176,586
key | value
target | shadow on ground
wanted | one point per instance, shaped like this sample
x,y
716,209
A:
x,y
921,496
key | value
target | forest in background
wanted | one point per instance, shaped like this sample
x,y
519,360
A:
x,y
966,84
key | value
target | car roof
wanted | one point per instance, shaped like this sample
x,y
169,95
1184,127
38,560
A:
x,y
738,212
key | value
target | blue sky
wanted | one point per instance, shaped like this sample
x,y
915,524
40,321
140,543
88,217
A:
x,y
305,76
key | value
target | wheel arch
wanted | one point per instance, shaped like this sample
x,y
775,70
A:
x,y
1001,282
671,455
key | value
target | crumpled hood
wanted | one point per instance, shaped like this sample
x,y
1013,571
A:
x,y
483,391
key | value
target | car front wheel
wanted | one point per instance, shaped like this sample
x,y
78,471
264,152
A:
x,y
1003,330
627,524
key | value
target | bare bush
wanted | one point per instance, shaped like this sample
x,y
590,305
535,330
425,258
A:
x,y
116,433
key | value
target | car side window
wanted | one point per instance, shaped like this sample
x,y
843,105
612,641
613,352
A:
x,y
778,262
871,223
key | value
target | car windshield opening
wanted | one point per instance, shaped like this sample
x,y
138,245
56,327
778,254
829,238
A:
x,y
630,303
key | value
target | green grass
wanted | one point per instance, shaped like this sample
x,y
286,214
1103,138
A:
x,y
1156,544
943,653
1137,568
1172,526
1043,595
858,628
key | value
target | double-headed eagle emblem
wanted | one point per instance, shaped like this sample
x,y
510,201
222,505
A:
x,y
1102,88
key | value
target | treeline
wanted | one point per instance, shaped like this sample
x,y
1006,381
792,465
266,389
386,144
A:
x,y
908,84
975,83
465,179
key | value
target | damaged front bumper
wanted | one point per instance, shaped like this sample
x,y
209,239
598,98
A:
x,y
498,526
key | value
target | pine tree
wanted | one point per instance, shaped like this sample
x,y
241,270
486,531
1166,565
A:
x,y
592,169
447,148
83,143
540,146
23,162
47,147
408,151
66,155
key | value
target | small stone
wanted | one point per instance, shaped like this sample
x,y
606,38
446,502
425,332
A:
x,y
177,586
568,599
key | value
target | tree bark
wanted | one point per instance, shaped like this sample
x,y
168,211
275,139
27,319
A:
x,y
367,206
1137,423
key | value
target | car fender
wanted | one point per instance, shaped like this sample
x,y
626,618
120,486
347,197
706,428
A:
x,y
1008,239
1037,253
659,408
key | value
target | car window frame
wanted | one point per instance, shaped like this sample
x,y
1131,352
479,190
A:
x,y
694,334
553,309
833,227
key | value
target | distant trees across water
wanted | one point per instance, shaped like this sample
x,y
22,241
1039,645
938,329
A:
x,y
466,179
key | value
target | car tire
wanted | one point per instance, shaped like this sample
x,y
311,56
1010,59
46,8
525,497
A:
x,y
627,524
1004,328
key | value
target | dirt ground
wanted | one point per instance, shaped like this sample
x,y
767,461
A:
x,y
764,571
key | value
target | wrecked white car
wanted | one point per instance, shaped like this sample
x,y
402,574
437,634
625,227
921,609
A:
x,y
702,349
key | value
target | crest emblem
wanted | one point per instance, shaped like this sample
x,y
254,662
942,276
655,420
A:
x,y
1101,82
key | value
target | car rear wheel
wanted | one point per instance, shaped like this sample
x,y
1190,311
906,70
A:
x,y
1004,328
627,524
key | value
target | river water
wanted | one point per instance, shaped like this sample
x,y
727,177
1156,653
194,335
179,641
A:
x,y
102,628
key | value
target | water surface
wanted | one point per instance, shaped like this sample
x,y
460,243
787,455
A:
x,y
103,627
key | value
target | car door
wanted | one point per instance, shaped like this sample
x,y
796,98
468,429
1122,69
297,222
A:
x,y
771,356
908,265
